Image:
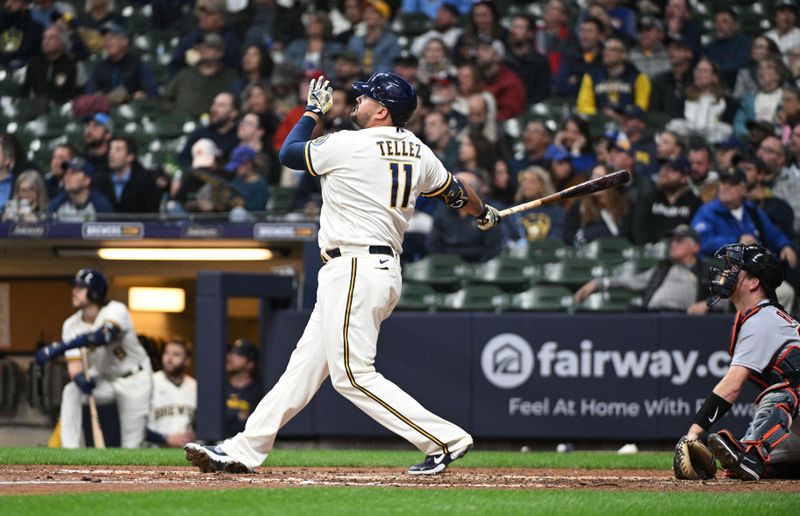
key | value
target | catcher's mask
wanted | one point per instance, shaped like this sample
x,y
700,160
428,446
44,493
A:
x,y
757,260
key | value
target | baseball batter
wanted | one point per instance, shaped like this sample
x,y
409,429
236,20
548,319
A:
x,y
765,348
370,179
119,368
170,421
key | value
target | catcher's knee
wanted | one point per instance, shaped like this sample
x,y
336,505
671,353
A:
x,y
771,424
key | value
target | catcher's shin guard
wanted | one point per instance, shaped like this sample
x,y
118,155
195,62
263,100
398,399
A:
x,y
772,421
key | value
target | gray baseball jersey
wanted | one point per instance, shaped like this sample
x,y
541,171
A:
x,y
759,334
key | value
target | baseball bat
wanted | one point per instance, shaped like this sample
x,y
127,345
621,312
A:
x,y
97,432
620,177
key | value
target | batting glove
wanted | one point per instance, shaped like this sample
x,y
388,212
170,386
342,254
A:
x,y
45,353
320,96
489,218
86,385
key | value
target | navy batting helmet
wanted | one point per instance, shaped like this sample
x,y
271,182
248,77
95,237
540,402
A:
x,y
756,259
392,91
95,282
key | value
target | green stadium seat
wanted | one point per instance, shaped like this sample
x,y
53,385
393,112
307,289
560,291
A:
x,y
547,251
414,24
443,272
658,250
612,300
281,200
418,296
633,266
608,250
542,298
571,272
508,273
475,298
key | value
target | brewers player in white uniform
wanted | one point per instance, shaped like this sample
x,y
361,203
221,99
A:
x,y
174,402
119,368
370,179
764,348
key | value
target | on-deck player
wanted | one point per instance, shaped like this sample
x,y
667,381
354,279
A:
x,y
370,179
119,368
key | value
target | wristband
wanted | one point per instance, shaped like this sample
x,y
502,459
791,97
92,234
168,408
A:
x,y
712,410
314,109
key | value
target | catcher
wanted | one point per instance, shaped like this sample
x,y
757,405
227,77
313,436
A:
x,y
764,348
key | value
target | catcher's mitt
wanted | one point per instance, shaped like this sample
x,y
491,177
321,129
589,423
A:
x,y
693,460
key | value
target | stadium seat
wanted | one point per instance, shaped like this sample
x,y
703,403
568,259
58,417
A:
x,y
546,251
508,273
571,272
658,250
414,24
281,200
633,266
608,250
417,296
443,272
475,298
612,300
542,298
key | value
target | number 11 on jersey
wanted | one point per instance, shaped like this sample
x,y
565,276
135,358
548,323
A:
x,y
396,201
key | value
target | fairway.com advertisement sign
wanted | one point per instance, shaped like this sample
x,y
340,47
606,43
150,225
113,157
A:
x,y
600,376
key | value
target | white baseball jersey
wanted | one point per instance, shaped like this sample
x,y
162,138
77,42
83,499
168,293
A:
x,y
370,181
172,407
118,358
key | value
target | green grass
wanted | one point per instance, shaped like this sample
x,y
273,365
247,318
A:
x,y
349,501
343,458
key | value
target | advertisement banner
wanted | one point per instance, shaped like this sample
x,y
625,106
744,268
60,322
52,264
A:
x,y
632,377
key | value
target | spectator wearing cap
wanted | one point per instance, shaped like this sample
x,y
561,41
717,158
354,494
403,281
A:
x,y
223,114
707,111
702,179
580,58
211,19
248,180
193,89
633,123
649,54
407,66
439,136
763,105
378,47
204,187
670,204
778,210
501,81
761,48
615,84
483,20
544,222
434,61
97,134
79,202
606,213
669,88
678,283
242,393
446,26
730,49
531,66
316,50
346,69
20,33
120,75
536,139
725,152
621,156
90,22
679,24
51,78
731,218
785,34
130,187
444,95
783,180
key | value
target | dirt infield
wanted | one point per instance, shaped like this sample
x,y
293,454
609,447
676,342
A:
x,y
74,479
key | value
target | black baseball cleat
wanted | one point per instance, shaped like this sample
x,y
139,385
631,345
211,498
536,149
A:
x,y
729,452
435,464
211,459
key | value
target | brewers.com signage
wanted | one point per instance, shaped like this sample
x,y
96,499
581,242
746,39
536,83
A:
x,y
112,230
634,377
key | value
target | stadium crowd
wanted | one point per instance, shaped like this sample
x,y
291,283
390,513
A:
x,y
700,100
